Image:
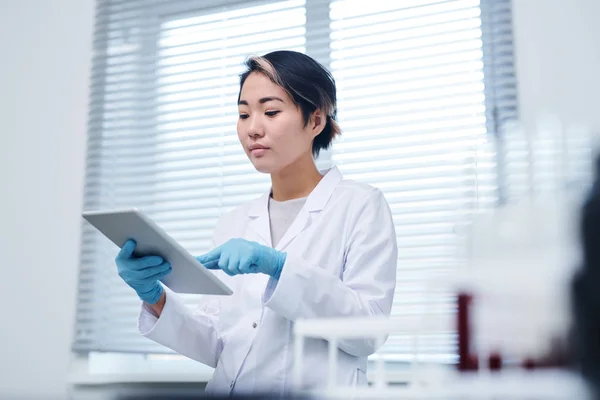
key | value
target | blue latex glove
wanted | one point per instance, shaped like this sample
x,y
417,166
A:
x,y
142,273
240,256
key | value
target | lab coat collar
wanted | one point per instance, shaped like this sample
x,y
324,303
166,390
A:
x,y
316,201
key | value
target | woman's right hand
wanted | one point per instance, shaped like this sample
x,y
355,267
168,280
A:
x,y
142,273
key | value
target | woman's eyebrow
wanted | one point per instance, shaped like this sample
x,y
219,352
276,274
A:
x,y
261,101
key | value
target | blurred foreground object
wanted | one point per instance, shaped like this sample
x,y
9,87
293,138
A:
x,y
521,256
425,380
586,290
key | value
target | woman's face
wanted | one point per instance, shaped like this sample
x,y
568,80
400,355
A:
x,y
270,126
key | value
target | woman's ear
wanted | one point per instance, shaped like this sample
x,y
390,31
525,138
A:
x,y
318,121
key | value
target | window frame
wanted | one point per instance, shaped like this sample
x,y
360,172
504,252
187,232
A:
x,y
151,17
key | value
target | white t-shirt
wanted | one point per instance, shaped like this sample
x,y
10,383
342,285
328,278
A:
x,y
281,216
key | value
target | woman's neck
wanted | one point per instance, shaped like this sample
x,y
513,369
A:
x,y
296,180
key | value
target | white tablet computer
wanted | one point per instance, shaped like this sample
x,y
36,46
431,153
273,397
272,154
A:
x,y
187,275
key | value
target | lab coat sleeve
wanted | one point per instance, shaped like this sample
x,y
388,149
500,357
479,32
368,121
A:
x,y
193,334
368,281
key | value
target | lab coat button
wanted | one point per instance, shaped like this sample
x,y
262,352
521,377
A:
x,y
254,324
231,384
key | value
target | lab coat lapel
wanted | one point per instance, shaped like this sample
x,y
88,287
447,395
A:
x,y
315,203
259,218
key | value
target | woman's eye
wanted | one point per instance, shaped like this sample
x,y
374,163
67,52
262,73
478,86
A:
x,y
243,116
271,113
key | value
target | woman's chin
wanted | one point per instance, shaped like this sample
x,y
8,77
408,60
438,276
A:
x,y
262,166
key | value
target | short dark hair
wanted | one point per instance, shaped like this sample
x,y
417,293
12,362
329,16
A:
x,y
310,85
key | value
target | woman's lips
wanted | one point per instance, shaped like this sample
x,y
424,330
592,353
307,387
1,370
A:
x,y
259,151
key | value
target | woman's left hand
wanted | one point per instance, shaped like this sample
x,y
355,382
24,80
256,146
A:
x,y
240,256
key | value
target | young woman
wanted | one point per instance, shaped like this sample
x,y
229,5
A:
x,y
316,245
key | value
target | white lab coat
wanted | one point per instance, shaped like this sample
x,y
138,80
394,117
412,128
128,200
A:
x,y
341,261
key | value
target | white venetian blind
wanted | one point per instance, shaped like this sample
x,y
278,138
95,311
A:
x,y
419,86
163,139
412,105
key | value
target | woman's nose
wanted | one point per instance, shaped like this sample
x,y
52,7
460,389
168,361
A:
x,y
255,129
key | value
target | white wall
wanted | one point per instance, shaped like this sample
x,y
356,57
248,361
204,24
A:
x,y
558,59
45,48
